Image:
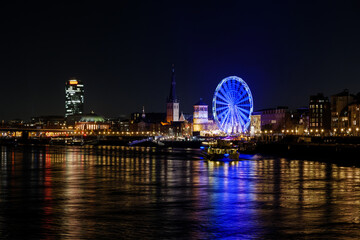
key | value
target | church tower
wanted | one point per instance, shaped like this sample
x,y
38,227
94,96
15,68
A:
x,y
172,105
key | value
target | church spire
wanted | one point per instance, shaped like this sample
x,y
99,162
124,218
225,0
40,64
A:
x,y
172,96
143,112
172,105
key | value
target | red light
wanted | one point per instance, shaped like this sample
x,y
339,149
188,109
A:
x,y
84,134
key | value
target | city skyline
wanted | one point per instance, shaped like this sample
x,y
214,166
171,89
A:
x,y
285,52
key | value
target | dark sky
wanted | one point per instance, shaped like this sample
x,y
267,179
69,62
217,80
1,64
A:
x,y
123,52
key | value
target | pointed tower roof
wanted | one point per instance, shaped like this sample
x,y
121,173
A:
x,y
172,95
182,118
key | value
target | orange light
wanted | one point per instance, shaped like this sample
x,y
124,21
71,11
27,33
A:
x,y
73,82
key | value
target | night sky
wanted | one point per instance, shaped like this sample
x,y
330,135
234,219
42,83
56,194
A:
x,y
123,52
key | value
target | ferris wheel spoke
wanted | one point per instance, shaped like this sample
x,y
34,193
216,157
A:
x,y
238,116
244,105
222,108
221,102
241,121
243,110
226,95
225,90
225,120
242,94
222,91
224,98
221,114
243,100
243,116
228,92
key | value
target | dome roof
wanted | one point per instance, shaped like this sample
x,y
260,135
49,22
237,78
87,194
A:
x,y
200,102
92,117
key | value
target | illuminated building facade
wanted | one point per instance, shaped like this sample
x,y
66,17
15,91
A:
x,y
49,122
255,123
274,119
91,122
299,121
354,118
172,105
339,111
74,97
200,116
319,114
141,122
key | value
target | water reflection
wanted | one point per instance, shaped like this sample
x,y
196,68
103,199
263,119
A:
x,y
138,192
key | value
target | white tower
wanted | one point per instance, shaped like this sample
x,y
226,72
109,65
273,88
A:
x,y
200,117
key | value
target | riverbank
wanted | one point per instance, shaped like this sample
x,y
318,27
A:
x,y
335,150
109,141
345,153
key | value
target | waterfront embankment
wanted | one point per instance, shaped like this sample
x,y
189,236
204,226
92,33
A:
x,y
335,149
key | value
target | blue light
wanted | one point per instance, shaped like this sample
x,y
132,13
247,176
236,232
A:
x,y
202,147
226,154
232,105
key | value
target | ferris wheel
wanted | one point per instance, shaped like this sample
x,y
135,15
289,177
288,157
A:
x,y
232,105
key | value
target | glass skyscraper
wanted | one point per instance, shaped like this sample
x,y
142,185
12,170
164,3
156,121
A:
x,y
74,94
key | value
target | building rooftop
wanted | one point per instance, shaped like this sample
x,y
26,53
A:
x,y
200,102
343,93
91,117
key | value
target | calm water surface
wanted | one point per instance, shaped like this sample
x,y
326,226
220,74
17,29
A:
x,y
108,192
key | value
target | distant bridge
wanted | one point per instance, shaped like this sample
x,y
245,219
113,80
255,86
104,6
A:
x,y
36,132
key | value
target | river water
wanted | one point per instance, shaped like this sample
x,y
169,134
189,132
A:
x,y
111,192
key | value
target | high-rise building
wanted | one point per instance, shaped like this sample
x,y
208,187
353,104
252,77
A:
x,y
319,114
339,111
354,118
172,105
74,97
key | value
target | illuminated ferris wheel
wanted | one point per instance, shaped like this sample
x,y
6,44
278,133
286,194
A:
x,y
232,105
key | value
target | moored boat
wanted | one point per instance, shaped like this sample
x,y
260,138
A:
x,y
221,151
